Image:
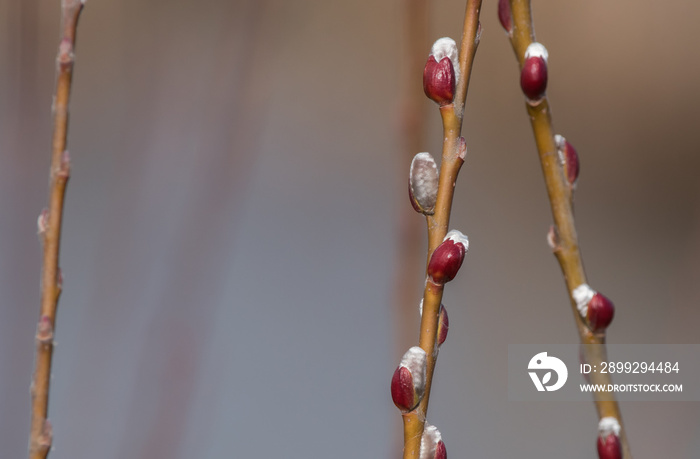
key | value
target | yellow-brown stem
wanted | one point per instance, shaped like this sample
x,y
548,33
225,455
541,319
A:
x,y
452,115
567,250
41,436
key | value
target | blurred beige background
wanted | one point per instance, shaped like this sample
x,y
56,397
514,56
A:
x,y
230,230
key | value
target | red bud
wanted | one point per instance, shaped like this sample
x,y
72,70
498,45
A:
x,y
443,323
533,76
431,444
440,450
408,382
402,392
600,312
440,76
443,326
609,447
568,158
447,258
439,80
504,15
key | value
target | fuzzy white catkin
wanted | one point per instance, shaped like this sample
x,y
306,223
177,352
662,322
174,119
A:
x,y
608,425
537,50
415,359
431,437
583,294
446,47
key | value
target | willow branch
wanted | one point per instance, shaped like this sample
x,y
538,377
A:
x,y
50,231
452,160
563,237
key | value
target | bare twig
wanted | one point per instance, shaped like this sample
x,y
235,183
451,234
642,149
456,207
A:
x,y
452,160
50,232
563,237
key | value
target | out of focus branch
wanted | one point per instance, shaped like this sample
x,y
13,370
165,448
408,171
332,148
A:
x,y
50,220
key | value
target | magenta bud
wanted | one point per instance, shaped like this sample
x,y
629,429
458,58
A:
x,y
440,450
408,382
504,15
402,392
533,76
594,307
439,80
431,445
441,72
447,258
600,312
609,446
568,158
443,326
443,323
423,183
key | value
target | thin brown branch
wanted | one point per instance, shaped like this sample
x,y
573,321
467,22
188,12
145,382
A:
x,y
566,247
50,231
452,116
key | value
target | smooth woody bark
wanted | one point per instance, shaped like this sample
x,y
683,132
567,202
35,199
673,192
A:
x,y
452,115
50,231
